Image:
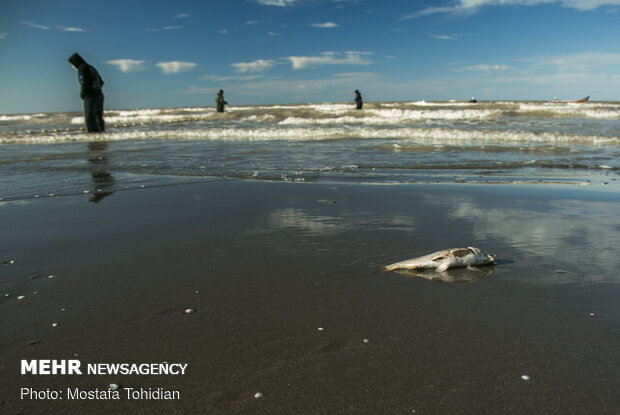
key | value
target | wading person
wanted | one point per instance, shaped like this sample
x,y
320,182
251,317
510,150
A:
x,y
219,101
358,100
90,92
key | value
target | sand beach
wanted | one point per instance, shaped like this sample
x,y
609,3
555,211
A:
x,y
290,315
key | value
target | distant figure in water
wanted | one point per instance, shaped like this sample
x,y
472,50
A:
x,y
90,92
358,99
473,100
219,101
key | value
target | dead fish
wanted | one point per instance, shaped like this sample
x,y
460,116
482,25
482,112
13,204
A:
x,y
448,258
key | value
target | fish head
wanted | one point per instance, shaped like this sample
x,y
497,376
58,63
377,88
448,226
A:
x,y
483,256
488,258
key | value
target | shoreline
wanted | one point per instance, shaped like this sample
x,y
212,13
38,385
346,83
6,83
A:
x,y
289,314
567,180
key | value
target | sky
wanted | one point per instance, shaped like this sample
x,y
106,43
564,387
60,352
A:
x,y
155,54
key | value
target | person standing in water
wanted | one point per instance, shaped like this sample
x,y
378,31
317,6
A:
x,y
358,100
90,92
219,101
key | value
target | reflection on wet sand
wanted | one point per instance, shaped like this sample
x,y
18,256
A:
x,y
580,235
451,276
103,181
318,224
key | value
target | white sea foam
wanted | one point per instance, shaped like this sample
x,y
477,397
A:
x,y
20,117
395,116
587,110
340,113
435,136
146,116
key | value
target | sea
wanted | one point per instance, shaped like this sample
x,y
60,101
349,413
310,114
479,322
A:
x,y
50,154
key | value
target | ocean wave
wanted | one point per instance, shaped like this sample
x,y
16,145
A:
x,y
395,116
606,111
20,117
406,134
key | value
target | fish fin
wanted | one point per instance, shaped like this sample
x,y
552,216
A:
x,y
443,267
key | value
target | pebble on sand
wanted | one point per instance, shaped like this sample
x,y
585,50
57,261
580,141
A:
x,y
258,395
525,377
114,386
189,311
54,324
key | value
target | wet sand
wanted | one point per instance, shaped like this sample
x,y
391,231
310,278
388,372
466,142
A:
x,y
288,304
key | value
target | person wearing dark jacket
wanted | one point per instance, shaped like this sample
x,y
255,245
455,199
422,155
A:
x,y
90,92
219,101
358,100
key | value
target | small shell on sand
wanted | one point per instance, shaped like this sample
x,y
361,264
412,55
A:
x,y
525,377
21,297
366,341
114,386
54,324
189,311
258,395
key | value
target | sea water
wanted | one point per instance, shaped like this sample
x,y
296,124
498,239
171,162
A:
x,y
387,142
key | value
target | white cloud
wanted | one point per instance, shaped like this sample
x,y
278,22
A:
x,y
587,62
176,66
279,3
4,35
589,4
330,58
155,29
61,28
127,65
472,6
244,78
181,16
255,66
443,37
487,68
71,29
36,26
326,25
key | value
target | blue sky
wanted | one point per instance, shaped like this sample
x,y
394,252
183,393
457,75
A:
x,y
179,53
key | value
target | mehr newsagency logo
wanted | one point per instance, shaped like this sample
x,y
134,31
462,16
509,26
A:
x,y
114,391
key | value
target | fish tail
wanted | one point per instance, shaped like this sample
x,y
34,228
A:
x,y
399,265
390,267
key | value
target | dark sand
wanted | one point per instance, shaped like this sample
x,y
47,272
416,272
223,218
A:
x,y
267,264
